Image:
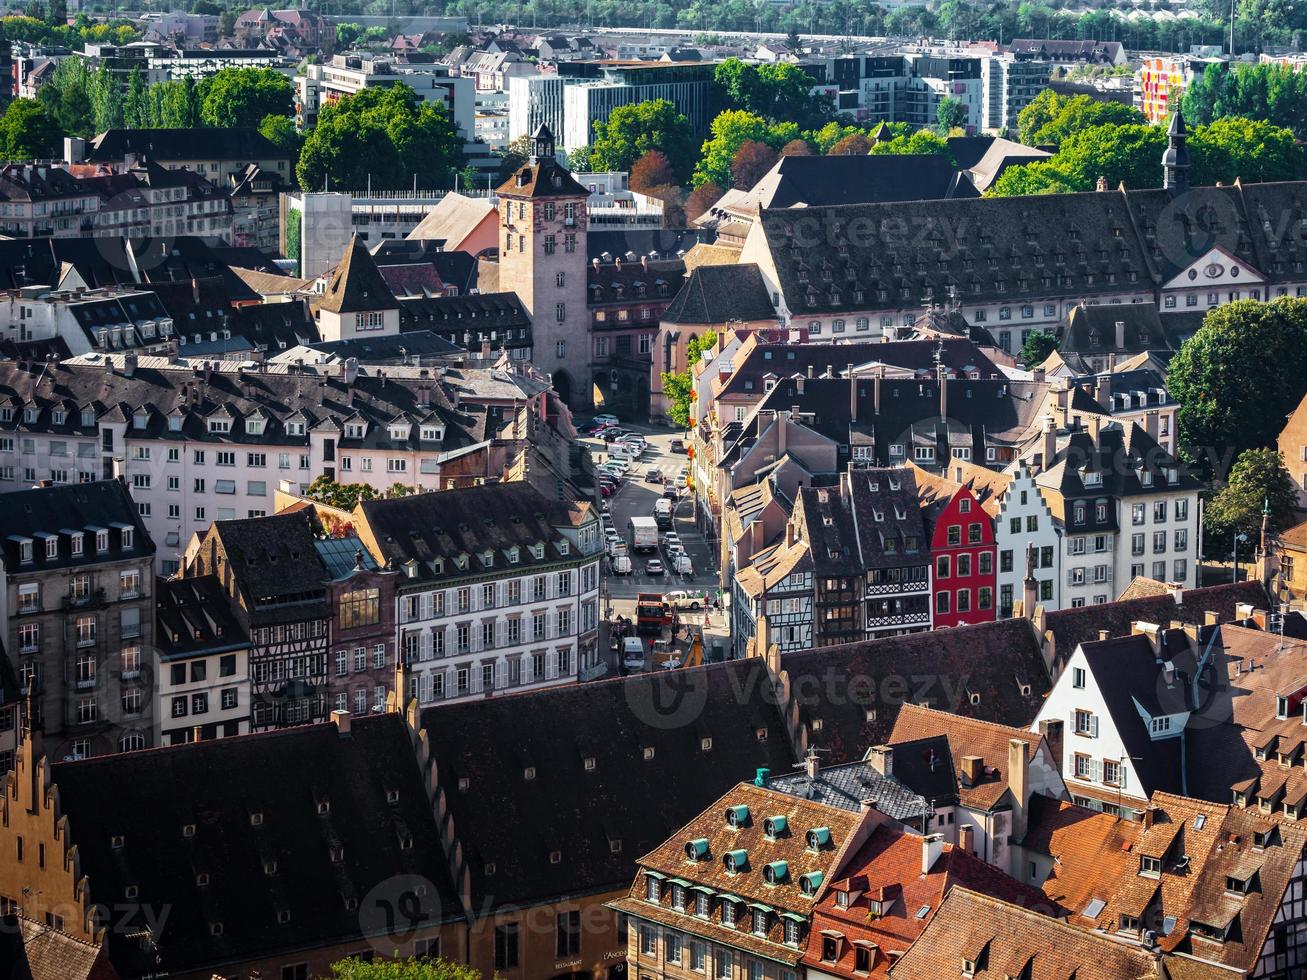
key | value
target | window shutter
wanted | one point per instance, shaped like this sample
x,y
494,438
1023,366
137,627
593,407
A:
x,y
1095,770
1093,726
425,687
1120,774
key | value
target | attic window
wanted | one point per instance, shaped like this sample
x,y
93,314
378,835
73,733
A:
x,y
463,784
562,547
529,773
254,427
283,916
131,891
555,857
324,807
489,869
514,555
705,744
202,880
761,734
270,868
648,752
589,763
256,819
188,830
219,425
116,841
392,796
215,928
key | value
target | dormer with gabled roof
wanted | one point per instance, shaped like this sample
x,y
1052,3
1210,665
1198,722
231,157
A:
x,y
356,302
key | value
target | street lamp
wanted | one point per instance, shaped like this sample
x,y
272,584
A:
x,y
1238,540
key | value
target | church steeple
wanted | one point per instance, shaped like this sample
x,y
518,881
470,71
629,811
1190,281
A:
x,y
1175,161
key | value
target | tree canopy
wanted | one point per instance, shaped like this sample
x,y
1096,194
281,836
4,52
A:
x,y
1258,480
729,131
778,92
1036,349
922,141
27,132
951,114
1237,379
244,96
1051,118
1274,93
633,130
382,133
679,386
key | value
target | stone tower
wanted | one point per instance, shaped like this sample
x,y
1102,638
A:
x,y
542,256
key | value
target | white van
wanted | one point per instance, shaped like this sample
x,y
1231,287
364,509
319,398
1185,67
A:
x,y
633,653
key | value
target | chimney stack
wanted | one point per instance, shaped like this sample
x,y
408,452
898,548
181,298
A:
x,y
932,846
340,719
881,758
1120,335
973,770
1018,780
967,838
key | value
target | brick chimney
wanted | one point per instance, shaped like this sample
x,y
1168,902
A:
x,y
973,770
1018,780
881,758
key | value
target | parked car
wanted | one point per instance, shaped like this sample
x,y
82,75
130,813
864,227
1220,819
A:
x,y
611,434
682,565
682,599
671,491
606,419
620,565
678,446
671,540
654,567
653,475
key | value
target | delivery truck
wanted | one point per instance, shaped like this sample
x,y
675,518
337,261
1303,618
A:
x,y
644,534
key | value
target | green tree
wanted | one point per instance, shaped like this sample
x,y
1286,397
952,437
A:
x,y
1036,349
1258,480
1075,115
1251,149
1121,153
1040,112
1274,93
243,96
951,114
633,130
27,132
106,100
1237,379
779,91
281,132
828,135
396,969
385,134
135,106
1042,177
679,386
347,35
728,132
922,141
344,496
227,23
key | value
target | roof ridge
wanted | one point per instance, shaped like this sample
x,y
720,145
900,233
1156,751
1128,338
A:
x,y
954,719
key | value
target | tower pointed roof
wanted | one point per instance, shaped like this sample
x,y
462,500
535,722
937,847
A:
x,y
356,285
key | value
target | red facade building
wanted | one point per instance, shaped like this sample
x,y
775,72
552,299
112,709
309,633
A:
x,y
363,667
962,544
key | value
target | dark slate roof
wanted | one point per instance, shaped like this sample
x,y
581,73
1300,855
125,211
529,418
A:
x,y
45,512
316,397
969,150
786,360
272,557
631,243
106,262
849,785
94,313
274,326
457,269
25,182
238,144
1072,627
217,786
1127,671
195,617
888,518
623,280
1116,460
993,249
435,530
1092,329
829,530
247,257
412,343
356,285
1090,51
717,293
981,412
813,181
725,726
467,320
857,688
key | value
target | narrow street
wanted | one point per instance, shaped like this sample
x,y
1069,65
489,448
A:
x,y
635,498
